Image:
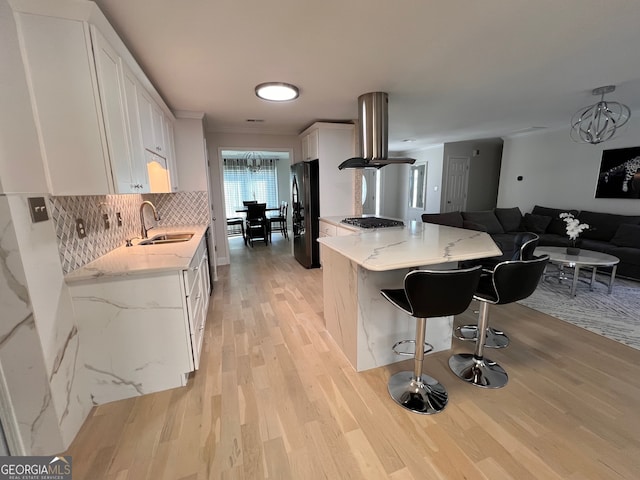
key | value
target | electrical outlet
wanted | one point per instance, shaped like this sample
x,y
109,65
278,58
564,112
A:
x,y
119,219
38,209
80,228
105,219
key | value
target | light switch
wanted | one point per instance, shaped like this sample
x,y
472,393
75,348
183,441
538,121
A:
x,y
38,209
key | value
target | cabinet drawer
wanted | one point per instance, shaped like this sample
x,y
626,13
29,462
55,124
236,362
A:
x,y
327,230
191,274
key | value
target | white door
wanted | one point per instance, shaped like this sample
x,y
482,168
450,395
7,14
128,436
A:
x,y
456,180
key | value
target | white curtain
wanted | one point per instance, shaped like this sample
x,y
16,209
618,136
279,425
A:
x,y
241,183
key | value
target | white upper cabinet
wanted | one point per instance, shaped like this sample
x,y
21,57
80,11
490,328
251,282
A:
x,y
153,120
310,145
118,99
137,176
86,92
61,77
331,144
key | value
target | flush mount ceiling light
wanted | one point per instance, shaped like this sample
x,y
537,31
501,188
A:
x,y
597,123
277,91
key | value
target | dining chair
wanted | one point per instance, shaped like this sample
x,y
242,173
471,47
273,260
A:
x,y
249,202
279,221
257,225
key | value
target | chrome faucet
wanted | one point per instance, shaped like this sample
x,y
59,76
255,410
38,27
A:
x,y
144,229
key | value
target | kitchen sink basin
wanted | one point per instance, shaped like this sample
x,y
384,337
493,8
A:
x,y
167,238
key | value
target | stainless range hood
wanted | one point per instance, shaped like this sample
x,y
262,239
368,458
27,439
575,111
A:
x,y
373,130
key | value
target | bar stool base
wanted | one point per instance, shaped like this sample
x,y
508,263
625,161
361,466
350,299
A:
x,y
424,396
495,338
482,373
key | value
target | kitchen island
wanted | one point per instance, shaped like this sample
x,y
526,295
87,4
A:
x,y
356,267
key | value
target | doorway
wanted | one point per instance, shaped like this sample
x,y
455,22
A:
x,y
252,174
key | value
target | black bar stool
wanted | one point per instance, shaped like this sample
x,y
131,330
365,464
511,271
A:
x,y
524,245
509,282
427,293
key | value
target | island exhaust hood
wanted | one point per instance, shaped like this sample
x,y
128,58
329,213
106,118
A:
x,y
373,130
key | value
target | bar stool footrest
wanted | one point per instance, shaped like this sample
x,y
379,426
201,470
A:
x,y
495,338
428,348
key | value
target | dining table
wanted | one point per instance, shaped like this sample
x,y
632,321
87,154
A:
x,y
268,209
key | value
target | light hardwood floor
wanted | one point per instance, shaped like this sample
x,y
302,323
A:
x,y
274,398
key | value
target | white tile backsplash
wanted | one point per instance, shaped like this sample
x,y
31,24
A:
x,y
182,208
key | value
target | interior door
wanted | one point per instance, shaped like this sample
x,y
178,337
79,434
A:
x,y
456,181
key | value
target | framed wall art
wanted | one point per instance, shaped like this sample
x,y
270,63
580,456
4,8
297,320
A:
x,y
619,175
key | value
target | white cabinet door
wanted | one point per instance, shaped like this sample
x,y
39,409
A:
x,y
313,151
146,120
108,69
138,176
59,66
157,121
310,145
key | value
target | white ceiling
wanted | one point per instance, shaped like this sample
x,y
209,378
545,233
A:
x,y
454,70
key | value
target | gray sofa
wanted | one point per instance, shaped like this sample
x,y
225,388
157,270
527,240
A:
x,y
617,235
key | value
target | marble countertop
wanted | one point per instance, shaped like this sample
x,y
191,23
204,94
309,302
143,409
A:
x,y
140,259
414,245
336,221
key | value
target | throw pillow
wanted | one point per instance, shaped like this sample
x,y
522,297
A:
x,y
450,219
535,223
509,218
557,225
486,218
627,236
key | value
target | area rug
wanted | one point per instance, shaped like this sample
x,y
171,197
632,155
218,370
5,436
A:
x,y
615,316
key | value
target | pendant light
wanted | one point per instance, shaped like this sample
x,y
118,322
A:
x,y
599,122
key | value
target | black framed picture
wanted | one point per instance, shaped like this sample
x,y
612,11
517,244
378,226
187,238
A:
x,y
619,174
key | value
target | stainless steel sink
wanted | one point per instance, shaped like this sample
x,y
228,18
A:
x,y
167,238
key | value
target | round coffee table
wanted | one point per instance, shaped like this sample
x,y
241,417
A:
x,y
586,258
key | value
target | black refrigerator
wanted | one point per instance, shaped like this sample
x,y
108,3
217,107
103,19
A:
x,y
305,201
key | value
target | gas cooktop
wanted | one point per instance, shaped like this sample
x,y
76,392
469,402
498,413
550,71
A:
x,y
372,222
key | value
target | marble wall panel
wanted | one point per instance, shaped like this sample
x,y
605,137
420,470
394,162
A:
x,y
54,317
28,412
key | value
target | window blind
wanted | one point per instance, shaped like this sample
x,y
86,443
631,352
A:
x,y
242,183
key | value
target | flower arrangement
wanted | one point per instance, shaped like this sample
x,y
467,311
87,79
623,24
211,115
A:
x,y
574,227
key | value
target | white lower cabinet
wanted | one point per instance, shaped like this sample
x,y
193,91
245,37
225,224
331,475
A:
x,y
142,334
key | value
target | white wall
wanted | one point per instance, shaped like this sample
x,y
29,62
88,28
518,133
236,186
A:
x,y
237,141
484,170
560,173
